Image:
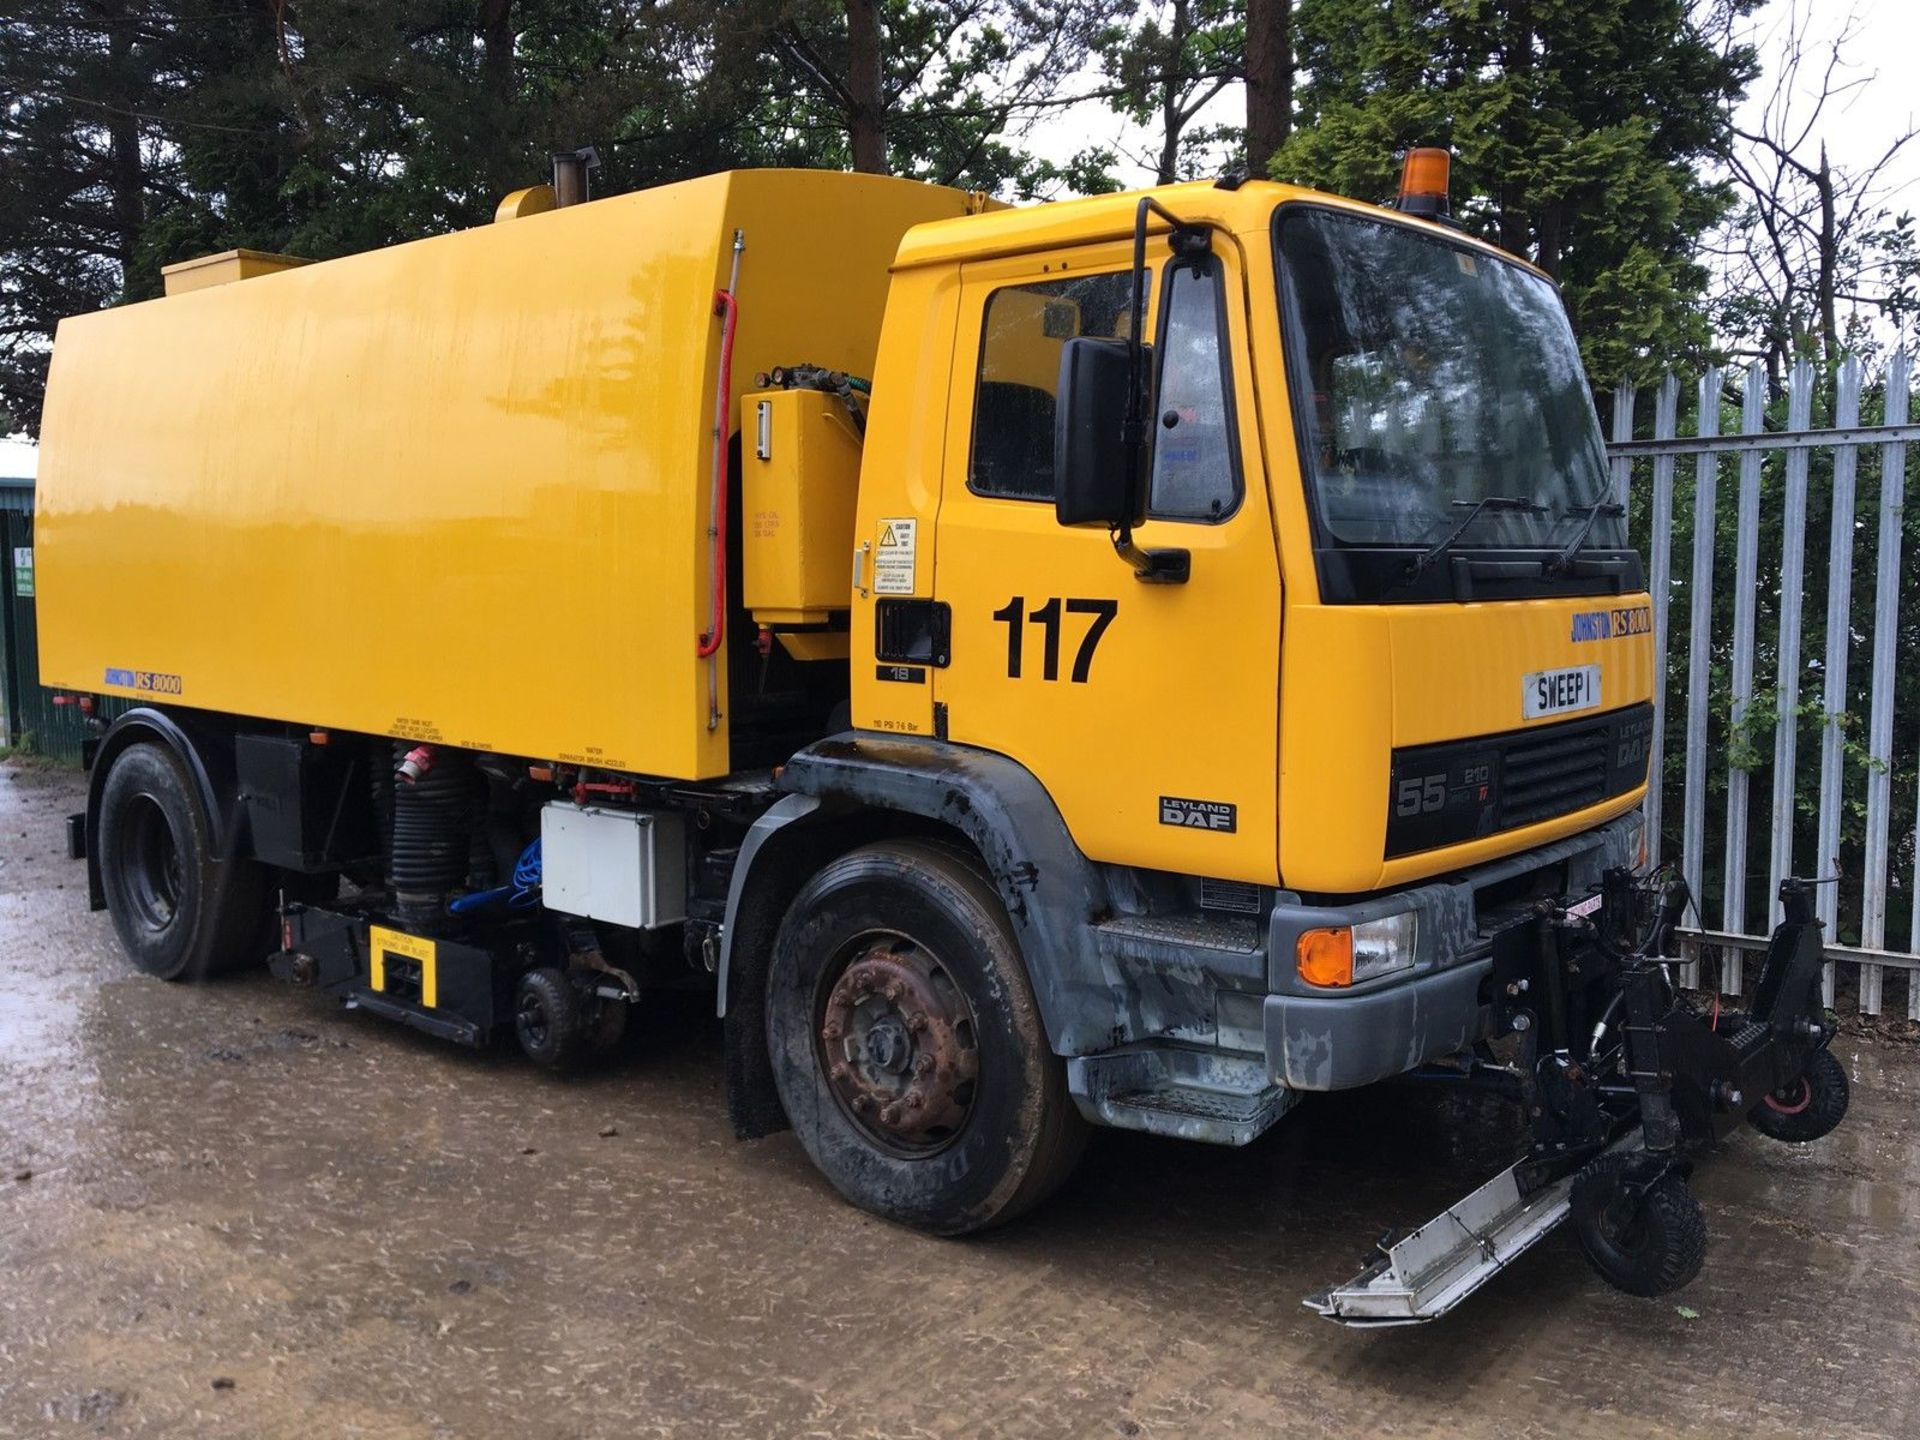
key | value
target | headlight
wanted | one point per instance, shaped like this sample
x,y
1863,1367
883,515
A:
x,y
1382,946
1346,955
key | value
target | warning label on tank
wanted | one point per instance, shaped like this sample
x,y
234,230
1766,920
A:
x,y
893,557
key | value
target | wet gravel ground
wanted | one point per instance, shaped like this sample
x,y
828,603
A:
x,y
234,1211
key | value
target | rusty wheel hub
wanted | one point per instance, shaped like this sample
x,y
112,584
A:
x,y
897,1037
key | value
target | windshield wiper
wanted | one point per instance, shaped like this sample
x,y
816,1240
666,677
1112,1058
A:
x,y
1475,509
1594,510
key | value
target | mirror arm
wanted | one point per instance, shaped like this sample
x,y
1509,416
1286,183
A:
x,y
1153,567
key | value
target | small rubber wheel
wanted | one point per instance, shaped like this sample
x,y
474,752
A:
x,y
180,913
547,1019
1648,1248
1808,1108
907,1047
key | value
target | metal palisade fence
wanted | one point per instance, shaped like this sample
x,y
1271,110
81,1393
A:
x,y
1786,733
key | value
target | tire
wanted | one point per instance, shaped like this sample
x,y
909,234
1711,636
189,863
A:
x,y
547,1019
950,1018
1810,1107
1655,1250
180,913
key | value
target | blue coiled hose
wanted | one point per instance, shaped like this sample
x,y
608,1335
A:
x,y
522,894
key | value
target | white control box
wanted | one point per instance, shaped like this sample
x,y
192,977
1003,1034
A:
x,y
622,866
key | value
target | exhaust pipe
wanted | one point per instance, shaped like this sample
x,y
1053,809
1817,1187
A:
x,y
570,171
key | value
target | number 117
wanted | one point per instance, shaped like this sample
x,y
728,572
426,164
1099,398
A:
x,y
1015,617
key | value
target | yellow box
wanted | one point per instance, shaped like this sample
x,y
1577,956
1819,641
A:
x,y
454,490
799,483
224,268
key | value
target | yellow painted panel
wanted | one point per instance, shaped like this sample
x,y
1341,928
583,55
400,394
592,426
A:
x,y
455,489
1246,211
224,268
900,478
814,644
1359,680
1475,656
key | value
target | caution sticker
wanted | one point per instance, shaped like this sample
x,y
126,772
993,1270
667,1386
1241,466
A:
x,y
893,557
383,944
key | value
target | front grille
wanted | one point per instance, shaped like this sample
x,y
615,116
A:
x,y
1543,776
1464,789
1234,895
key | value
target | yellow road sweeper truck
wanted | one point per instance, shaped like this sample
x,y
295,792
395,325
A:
x,y
1134,661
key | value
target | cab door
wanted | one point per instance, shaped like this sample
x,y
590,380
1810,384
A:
x,y
1149,711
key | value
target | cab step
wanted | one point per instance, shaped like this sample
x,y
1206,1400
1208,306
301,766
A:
x,y
1185,1094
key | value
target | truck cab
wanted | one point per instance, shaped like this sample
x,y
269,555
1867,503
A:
x,y
1402,688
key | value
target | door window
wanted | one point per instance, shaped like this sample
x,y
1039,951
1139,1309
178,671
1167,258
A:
x,y
1021,335
1194,476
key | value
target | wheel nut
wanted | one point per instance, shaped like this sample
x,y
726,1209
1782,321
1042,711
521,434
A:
x,y
832,1030
895,990
917,1021
838,1074
922,1064
891,1115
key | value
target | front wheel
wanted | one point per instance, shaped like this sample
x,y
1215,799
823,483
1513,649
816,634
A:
x,y
907,1047
1808,1108
1646,1242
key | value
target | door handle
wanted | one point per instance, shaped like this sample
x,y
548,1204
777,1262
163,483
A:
x,y
860,567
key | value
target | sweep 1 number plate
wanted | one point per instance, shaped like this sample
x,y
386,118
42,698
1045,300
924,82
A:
x,y
1560,692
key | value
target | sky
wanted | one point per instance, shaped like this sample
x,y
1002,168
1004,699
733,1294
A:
x,y
1857,128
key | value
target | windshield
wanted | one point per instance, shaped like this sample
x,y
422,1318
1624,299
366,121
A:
x,y
1429,377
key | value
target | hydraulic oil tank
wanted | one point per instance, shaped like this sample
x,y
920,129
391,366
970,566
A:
x,y
454,490
798,485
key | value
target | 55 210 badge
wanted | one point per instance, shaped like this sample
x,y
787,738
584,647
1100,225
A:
x,y
1199,814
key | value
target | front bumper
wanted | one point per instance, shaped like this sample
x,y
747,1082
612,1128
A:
x,y
1336,1039
1320,1042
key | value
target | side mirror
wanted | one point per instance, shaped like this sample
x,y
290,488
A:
x,y
1098,478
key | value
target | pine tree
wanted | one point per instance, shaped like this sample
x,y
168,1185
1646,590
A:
x,y
1167,62
1577,129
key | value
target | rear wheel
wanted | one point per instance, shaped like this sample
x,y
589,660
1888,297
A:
x,y
907,1047
179,912
1810,1107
